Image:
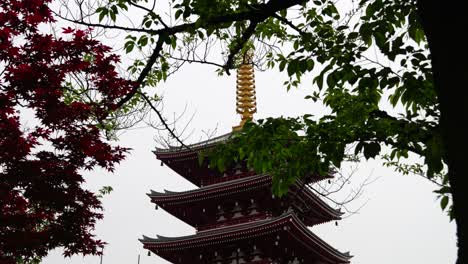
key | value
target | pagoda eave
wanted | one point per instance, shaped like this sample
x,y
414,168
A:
x,y
288,224
205,192
259,185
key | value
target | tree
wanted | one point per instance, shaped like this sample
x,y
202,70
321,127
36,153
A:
x,y
412,71
43,203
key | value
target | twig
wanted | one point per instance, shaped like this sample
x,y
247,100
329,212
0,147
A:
x,y
163,121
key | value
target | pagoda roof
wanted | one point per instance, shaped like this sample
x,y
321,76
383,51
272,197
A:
x,y
176,151
217,189
287,222
214,191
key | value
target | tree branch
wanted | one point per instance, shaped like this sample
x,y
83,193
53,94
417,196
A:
x,y
88,24
163,121
240,43
197,61
289,23
144,72
256,12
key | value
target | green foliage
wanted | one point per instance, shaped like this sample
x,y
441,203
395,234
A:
x,y
105,190
35,260
111,10
370,66
286,155
353,90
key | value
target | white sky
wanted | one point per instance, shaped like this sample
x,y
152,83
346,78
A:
x,y
401,222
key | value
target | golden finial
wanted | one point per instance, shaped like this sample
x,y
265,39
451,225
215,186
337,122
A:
x,y
246,104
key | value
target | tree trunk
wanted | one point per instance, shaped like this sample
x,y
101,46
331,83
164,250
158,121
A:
x,y
445,27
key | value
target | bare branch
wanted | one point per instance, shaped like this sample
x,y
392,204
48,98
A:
x,y
163,121
289,23
197,61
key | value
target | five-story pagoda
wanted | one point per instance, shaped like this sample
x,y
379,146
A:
x,y
237,218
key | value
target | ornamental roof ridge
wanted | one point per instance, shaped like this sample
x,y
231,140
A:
x,y
195,146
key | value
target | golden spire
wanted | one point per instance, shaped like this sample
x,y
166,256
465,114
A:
x,y
246,104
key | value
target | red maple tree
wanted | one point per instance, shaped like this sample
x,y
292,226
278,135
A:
x,y
42,202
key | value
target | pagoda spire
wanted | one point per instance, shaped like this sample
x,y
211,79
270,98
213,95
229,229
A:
x,y
246,104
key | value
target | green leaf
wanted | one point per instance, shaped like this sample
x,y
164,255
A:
x,y
148,23
358,148
143,41
444,202
178,13
292,67
282,65
331,82
319,81
310,64
102,14
371,150
370,10
283,12
353,35
129,45
174,42
443,190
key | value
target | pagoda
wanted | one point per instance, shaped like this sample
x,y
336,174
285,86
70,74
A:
x,y
236,217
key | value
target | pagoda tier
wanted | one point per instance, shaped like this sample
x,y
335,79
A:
x,y
242,200
280,240
185,161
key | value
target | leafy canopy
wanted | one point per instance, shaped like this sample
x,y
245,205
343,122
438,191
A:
x,y
370,65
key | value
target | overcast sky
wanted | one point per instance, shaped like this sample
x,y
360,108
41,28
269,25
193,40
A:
x,y
400,223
